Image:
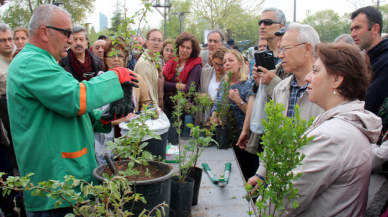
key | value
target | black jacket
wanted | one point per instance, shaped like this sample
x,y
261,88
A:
x,y
378,89
96,63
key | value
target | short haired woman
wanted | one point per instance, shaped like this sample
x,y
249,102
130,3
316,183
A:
x,y
20,36
190,66
167,51
338,162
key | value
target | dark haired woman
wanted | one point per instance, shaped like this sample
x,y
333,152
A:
x,y
167,51
338,162
189,68
150,68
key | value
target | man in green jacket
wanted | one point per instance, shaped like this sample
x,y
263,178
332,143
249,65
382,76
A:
x,y
51,114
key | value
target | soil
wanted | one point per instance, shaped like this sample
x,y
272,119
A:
x,y
153,171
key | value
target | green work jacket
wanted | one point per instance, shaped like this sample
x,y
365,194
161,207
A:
x,y
52,120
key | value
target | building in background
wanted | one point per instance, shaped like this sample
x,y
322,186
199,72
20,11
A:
x,y
103,22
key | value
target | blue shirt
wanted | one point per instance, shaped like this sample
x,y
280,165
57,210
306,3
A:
x,y
295,93
132,62
245,90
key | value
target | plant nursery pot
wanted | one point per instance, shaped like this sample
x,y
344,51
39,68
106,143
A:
x,y
181,197
197,176
222,137
173,136
155,191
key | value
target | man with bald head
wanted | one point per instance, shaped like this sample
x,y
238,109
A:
x,y
53,115
98,49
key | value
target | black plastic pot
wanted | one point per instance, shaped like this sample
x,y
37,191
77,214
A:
x,y
157,147
197,176
222,137
181,197
173,136
155,191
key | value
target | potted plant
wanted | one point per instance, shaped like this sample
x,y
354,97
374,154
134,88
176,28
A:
x,y
149,178
221,114
281,155
110,196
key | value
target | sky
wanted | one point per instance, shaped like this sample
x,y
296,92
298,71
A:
x,y
340,6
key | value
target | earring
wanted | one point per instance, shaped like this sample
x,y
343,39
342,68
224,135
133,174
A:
x,y
334,91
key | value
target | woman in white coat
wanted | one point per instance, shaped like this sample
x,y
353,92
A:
x,y
338,162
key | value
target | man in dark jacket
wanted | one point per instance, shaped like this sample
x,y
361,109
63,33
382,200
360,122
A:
x,y
366,32
80,61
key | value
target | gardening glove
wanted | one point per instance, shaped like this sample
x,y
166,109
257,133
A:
x,y
124,106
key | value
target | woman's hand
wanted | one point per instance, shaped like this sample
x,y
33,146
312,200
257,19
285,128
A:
x,y
243,140
234,95
214,118
180,86
123,119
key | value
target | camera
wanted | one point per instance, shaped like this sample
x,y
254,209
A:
x,y
265,59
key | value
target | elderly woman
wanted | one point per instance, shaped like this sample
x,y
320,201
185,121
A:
x,y
151,70
167,51
20,36
140,97
338,162
189,68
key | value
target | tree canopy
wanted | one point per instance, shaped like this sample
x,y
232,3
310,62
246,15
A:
x,y
19,12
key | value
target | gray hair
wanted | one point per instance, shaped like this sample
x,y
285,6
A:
x,y
346,38
44,16
219,32
279,15
4,27
77,29
306,34
138,36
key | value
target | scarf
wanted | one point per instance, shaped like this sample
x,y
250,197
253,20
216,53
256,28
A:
x,y
169,70
83,70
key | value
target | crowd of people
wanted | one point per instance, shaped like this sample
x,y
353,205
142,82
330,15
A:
x,y
58,94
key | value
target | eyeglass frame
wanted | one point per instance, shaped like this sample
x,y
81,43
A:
x,y
269,21
64,31
284,49
221,66
156,40
6,39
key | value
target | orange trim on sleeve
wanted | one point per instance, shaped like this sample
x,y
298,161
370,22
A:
x,y
75,154
82,98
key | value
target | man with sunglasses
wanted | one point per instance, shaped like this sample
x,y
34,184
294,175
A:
x,y
52,115
82,63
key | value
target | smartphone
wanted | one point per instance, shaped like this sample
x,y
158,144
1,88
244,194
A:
x,y
265,59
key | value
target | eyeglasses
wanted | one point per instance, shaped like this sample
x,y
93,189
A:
x,y
267,22
64,31
156,40
4,40
284,49
121,57
221,66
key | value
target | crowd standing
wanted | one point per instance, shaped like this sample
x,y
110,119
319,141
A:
x,y
57,91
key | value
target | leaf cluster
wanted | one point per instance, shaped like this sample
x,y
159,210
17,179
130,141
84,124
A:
x,y
223,105
282,141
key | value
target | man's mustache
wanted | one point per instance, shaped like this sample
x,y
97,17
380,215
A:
x,y
79,46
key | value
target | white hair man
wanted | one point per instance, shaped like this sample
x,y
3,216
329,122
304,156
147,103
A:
x,y
6,50
137,41
52,117
98,49
215,39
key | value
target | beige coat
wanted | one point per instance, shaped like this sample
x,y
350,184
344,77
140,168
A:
x,y
4,63
338,163
141,94
147,69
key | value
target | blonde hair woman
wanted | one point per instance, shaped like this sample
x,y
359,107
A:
x,y
240,88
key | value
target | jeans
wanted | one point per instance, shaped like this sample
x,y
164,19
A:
x,y
60,212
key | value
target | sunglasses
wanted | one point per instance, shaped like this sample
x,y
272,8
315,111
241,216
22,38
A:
x,y
267,22
64,31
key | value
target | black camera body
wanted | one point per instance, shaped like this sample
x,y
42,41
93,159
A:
x,y
265,59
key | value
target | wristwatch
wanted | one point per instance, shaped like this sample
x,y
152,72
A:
x,y
241,103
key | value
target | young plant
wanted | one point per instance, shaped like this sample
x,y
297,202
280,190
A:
x,y
223,105
110,196
282,141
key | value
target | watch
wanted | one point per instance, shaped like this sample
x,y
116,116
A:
x,y
241,103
